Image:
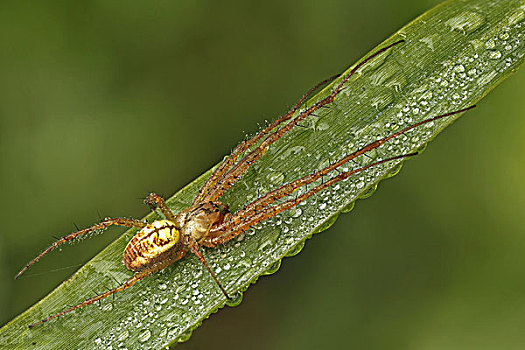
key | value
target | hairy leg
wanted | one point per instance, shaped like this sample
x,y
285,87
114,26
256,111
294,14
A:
x,y
100,226
131,281
227,163
238,169
155,201
286,189
235,226
194,248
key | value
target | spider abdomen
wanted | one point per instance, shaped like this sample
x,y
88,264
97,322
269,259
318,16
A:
x,y
152,244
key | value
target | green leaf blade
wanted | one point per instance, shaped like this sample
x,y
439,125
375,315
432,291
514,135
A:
x,y
453,56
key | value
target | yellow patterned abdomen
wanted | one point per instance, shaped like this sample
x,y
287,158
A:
x,y
152,244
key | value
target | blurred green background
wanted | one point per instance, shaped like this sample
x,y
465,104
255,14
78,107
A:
x,y
104,101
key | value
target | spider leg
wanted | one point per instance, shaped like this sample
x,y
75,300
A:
x,y
100,226
237,225
286,189
131,281
238,169
155,201
243,146
195,250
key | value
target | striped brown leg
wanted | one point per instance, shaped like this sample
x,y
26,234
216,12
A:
x,y
131,281
243,146
237,225
100,226
155,201
238,169
286,189
194,247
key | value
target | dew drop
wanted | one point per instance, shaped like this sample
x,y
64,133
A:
x,y
276,178
429,42
490,44
269,240
158,307
459,68
427,95
292,152
144,335
184,337
244,263
495,55
234,300
173,331
296,249
382,99
348,208
273,268
369,192
295,212
322,126
123,336
467,22
476,44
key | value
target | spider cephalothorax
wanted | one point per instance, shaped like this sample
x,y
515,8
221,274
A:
x,y
196,222
208,222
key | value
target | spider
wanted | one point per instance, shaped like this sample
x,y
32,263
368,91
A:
x,y
208,222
